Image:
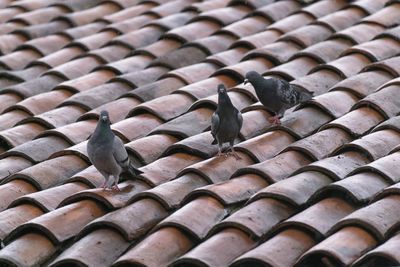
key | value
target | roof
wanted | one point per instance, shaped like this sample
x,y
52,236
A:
x,y
321,189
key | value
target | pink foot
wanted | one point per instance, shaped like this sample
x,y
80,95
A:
x,y
115,188
104,185
274,120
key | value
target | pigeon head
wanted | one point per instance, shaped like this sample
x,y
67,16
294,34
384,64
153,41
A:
x,y
223,97
104,117
221,89
252,77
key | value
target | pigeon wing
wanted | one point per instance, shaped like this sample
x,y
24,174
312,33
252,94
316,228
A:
x,y
214,124
287,93
119,152
240,120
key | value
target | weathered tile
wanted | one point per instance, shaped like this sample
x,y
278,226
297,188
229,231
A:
x,y
170,240
238,241
281,250
11,218
331,209
172,193
341,248
232,191
20,252
146,211
258,217
107,245
296,190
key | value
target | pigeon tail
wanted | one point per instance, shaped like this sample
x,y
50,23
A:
x,y
132,170
305,96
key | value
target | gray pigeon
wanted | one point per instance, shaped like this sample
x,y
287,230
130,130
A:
x,y
277,95
226,122
107,152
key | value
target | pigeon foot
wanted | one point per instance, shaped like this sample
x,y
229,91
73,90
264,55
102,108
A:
x,y
115,188
274,120
104,186
233,153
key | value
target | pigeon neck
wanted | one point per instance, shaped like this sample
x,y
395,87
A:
x,y
224,100
264,86
103,129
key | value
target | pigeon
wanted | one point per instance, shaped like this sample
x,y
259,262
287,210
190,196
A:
x,y
226,122
108,154
277,95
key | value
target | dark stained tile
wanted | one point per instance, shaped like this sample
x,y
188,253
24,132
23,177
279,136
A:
x,y
150,148
296,190
232,191
360,33
364,83
325,51
39,149
385,167
135,127
179,126
196,217
281,250
278,167
331,209
49,199
172,193
146,211
246,26
11,218
292,22
167,168
385,16
169,239
266,146
12,190
321,144
360,187
384,254
20,252
338,167
51,172
194,30
106,246
308,35
107,198
259,40
341,248
218,169
353,124
238,241
258,217
278,10
63,223
342,19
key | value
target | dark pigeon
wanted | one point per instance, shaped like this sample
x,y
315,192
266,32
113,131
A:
x,y
226,122
277,95
107,152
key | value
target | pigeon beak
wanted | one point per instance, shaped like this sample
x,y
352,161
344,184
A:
x,y
245,81
104,118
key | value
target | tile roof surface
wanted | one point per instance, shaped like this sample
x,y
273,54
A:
x,y
321,189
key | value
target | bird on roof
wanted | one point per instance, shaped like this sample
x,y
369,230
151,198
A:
x,y
277,95
226,122
107,153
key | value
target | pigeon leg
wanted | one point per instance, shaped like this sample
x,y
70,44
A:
x,y
219,150
104,185
115,186
274,120
233,152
